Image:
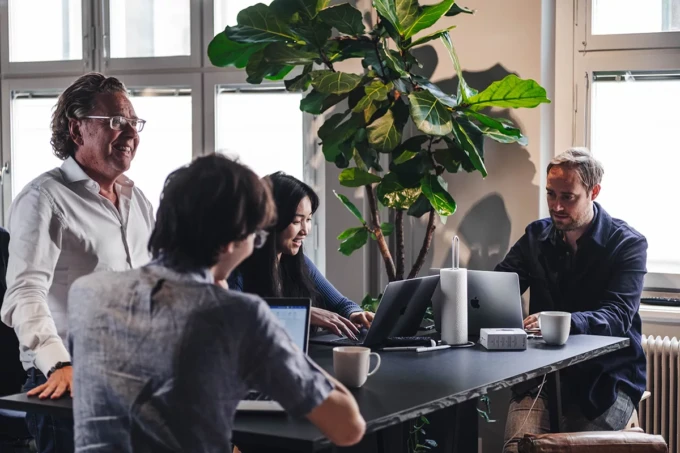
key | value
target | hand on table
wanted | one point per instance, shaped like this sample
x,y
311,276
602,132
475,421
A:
x,y
57,384
362,318
334,322
531,322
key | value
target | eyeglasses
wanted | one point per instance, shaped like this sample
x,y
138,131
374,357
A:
x,y
260,238
118,123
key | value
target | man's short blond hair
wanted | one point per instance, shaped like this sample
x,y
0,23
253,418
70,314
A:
x,y
589,169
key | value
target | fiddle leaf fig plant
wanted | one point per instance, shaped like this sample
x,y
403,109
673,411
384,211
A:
x,y
367,135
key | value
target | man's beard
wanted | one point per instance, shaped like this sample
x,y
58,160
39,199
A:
x,y
571,224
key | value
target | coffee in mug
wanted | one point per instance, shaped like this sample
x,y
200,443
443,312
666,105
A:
x,y
351,364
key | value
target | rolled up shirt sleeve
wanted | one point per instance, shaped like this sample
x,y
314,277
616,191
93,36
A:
x,y
35,229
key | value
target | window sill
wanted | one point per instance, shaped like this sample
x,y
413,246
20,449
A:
x,y
657,314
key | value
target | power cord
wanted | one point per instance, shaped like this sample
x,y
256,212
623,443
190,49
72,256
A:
x,y
540,388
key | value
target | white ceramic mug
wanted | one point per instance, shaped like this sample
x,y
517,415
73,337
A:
x,y
351,364
555,326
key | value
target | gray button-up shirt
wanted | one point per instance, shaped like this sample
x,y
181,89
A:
x,y
161,360
61,228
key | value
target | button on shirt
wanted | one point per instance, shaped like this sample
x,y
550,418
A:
x,y
61,228
600,285
162,358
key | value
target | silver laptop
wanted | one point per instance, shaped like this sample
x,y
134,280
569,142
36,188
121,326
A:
x,y
294,314
494,301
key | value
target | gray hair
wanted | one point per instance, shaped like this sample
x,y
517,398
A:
x,y
589,169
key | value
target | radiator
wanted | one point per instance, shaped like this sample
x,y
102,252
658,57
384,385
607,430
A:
x,y
660,413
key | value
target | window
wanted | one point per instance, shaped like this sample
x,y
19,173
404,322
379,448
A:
x,y
264,129
615,17
31,150
227,10
58,20
627,85
149,28
648,158
165,142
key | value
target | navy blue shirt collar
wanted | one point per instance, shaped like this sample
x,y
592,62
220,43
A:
x,y
598,232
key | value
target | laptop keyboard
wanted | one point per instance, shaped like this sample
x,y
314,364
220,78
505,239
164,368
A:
x,y
256,396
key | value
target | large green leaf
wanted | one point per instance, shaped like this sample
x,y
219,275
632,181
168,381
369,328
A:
x,y
332,144
330,82
400,13
350,206
278,53
354,242
387,228
420,207
317,103
258,24
405,156
315,33
445,98
345,18
511,92
355,177
307,8
456,9
465,91
500,137
384,133
434,188
500,126
301,82
345,48
468,142
349,232
429,114
428,16
393,194
223,52
331,123
374,91
430,37
259,68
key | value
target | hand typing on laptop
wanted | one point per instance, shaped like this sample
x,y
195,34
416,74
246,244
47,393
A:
x,y
334,323
531,323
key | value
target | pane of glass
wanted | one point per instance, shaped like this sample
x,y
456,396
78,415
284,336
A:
x,y
31,150
149,28
618,17
165,143
53,34
227,10
639,162
263,129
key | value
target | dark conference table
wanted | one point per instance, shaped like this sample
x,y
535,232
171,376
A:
x,y
407,386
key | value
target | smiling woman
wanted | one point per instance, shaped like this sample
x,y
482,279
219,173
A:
x,y
281,269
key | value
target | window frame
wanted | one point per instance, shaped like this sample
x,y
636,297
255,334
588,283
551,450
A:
x,y
589,42
48,68
611,53
114,66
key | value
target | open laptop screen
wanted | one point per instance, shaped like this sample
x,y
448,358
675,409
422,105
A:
x,y
294,315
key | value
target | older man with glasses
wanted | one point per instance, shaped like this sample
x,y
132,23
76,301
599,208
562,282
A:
x,y
83,217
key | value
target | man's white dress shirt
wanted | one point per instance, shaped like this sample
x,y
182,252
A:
x,y
61,228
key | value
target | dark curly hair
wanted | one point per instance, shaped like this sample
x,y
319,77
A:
x,y
205,206
78,101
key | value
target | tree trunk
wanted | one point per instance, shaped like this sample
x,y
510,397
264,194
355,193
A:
x,y
399,231
380,239
425,247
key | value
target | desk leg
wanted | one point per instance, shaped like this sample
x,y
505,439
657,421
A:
x,y
455,428
555,401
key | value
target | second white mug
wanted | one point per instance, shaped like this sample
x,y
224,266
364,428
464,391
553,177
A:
x,y
351,364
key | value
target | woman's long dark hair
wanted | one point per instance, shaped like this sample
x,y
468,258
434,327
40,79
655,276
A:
x,y
262,273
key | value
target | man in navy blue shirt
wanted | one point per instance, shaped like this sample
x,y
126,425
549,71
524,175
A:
x,y
583,261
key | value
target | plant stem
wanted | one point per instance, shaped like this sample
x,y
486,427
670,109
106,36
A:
x,y
382,244
326,61
399,230
425,247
